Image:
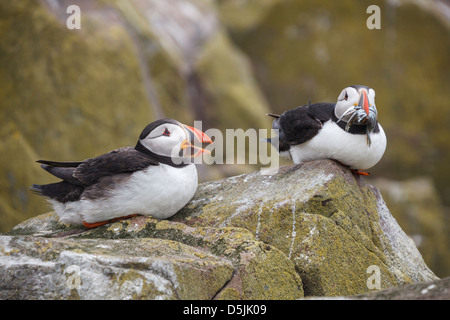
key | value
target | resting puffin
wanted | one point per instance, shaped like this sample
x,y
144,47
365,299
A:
x,y
346,131
154,178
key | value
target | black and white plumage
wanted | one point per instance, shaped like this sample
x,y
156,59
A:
x,y
347,131
154,178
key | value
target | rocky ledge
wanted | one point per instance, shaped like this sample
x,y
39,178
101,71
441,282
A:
x,y
308,230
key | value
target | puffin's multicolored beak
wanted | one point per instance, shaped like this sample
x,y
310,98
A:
x,y
370,110
198,136
364,101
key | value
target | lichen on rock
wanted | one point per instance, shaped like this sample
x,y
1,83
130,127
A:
x,y
307,230
331,224
206,263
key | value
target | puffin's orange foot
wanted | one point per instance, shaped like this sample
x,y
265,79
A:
x,y
354,171
361,173
101,223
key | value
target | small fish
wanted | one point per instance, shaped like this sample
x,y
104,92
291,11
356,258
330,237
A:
x,y
359,117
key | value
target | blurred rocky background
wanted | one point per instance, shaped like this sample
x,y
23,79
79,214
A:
x,y
72,94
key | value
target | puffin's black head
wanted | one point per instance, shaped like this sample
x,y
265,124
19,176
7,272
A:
x,y
152,126
171,139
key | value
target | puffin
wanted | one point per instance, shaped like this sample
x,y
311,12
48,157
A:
x,y
155,178
346,131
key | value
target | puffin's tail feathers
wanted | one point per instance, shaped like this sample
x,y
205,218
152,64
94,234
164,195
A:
x,y
37,189
64,164
275,125
62,191
64,173
276,116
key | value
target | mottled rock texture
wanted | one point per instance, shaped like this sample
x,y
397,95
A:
x,y
307,230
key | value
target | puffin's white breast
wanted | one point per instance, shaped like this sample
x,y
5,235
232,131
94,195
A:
x,y
159,191
332,142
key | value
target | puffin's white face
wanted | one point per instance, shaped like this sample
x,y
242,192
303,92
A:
x,y
175,140
356,106
351,99
165,140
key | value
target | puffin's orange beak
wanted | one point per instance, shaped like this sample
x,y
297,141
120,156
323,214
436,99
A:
x,y
199,136
364,101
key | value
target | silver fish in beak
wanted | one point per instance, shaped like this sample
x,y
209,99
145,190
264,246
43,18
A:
x,y
362,114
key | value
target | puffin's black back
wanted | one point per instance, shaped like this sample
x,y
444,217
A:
x,y
303,123
77,176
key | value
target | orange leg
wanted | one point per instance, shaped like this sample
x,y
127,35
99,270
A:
x,y
101,223
361,173
354,171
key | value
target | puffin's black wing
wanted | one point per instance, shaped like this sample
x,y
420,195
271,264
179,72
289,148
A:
x,y
123,160
303,123
77,176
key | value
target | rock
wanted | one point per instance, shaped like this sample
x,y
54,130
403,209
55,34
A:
x,y
40,268
142,258
332,225
432,290
416,204
307,230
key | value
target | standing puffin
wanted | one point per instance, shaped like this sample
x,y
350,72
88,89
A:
x,y
346,131
154,178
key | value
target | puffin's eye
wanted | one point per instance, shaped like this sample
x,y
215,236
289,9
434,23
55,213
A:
x,y
346,96
166,132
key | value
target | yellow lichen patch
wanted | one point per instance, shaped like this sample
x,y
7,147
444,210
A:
x,y
165,224
43,246
10,252
116,227
132,285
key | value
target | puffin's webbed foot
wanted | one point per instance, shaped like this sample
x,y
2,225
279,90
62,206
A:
x,y
360,173
354,171
101,223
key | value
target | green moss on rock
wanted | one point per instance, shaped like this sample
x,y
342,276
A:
x,y
329,223
203,260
